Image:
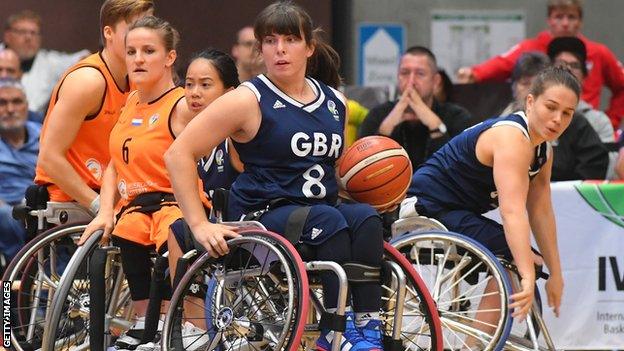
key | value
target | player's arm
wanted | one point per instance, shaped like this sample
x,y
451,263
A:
x,y
108,198
542,219
511,157
235,114
80,95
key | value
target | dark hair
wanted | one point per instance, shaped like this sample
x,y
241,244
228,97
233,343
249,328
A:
x,y
168,34
223,63
529,65
558,4
423,51
555,75
286,18
572,45
447,84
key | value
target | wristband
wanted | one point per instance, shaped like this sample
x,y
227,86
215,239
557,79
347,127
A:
x,y
94,207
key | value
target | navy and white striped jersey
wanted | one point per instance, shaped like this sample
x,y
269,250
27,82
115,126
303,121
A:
x,y
453,178
293,154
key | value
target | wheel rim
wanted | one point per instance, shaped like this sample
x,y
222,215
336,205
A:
x,y
251,300
456,271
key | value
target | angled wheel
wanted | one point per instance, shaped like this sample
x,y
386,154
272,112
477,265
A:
x,y
420,324
68,323
469,285
35,273
251,299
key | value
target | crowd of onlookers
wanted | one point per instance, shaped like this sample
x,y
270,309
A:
x,y
420,118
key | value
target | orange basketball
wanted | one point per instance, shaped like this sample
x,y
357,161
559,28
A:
x,y
376,170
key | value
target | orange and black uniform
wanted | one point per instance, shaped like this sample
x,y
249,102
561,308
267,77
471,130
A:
x,y
89,153
137,145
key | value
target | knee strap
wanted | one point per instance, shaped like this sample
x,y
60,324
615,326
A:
x,y
332,321
361,273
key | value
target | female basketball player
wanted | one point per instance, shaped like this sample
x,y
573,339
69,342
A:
x,y
84,108
505,162
152,117
211,74
288,129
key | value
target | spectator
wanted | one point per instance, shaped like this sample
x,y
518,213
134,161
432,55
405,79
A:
x,y
578,152
19,146
248,62
570,51
416,120
10,68
42,68
565,18
444,90
619,167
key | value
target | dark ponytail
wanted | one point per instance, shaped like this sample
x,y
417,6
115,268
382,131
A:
x,y
324,64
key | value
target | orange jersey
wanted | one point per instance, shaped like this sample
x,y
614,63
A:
x,y
89,153
138,143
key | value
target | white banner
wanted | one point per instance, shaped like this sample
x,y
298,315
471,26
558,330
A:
x,y
591,243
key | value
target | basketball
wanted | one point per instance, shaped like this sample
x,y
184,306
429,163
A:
x,y
376,170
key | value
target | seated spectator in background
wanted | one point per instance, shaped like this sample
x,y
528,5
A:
x,y
416,120
578,153
10,68
356,116
570,51
248,61
619,166
443,91
565,18
19,146
42,68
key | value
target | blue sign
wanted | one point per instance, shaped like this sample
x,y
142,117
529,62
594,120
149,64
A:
x,y
379,50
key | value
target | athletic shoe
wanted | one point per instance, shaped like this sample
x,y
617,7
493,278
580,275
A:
x,y
372,332
130,339
193,338
352,340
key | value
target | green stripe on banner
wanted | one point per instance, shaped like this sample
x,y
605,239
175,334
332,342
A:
x,y
606,199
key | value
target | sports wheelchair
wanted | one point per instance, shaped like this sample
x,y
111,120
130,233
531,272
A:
x,y
53,228
261,296
457,270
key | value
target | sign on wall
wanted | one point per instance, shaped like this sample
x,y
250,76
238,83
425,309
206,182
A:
x,y
463,38
379,50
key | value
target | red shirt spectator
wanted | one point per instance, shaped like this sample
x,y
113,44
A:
x,y
564,19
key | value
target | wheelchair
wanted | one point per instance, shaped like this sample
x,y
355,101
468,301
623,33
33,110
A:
x,y
53,229
265,295
460,273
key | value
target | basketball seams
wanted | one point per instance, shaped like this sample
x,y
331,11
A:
x,y
399,174
356,168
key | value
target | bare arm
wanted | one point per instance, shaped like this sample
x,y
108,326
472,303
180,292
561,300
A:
x,y
511,154
79,96
234,114
542,219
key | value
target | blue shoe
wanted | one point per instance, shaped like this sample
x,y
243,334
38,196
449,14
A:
x,y
352,340
372,332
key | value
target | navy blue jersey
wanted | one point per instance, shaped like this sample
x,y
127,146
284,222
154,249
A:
x,y
453,178
216,170
294,151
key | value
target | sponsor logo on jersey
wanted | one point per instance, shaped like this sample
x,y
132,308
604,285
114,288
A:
x,y
137,121
94,167
331,106
123,190
153,119
315,233
278,104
